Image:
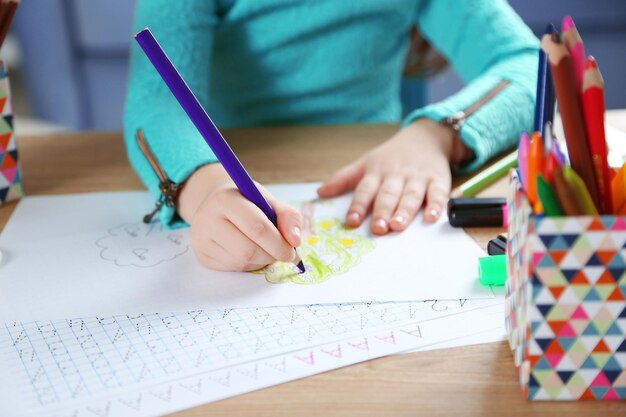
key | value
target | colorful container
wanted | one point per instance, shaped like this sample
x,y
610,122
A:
x,y
566,302
10,172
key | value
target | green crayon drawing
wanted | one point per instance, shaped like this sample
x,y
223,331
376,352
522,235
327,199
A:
x,y
329,248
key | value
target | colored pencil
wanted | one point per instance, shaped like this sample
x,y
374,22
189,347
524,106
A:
x,y
568,97
522,159
6,17
548,138
593,109
582,194
486,177
550,164
3,10
575,47
544,104
566,194
205,126
558,154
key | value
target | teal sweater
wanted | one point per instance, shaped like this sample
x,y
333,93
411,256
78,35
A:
x,y
262,62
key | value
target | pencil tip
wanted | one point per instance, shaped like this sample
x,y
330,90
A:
x,y
301,267
567,24
591,62
550,29
536,136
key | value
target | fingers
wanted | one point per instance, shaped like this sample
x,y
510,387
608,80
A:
x,y
436,197
362,199
235,248
397,200
386,203
233,252
251,221
409,205
343,180
230,233
289,222
208,261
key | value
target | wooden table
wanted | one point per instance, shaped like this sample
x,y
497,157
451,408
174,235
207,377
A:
x,y
475,380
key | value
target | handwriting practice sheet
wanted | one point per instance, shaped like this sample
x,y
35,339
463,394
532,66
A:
x,y
149,364
90,255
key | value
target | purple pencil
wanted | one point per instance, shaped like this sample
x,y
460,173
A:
x,y
205,125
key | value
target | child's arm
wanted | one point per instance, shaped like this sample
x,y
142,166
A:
x,y
487,43
227,231
185,31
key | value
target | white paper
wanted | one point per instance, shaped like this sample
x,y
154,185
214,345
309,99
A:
x,y
158,363
90,255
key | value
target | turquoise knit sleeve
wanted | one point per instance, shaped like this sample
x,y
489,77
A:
x,y
184,30
486,42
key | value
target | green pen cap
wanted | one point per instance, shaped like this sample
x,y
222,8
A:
x,y
492,270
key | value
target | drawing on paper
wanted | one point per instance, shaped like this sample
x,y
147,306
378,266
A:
x,y
142,245
328,248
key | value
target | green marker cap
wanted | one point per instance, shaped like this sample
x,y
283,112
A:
x,y
492,270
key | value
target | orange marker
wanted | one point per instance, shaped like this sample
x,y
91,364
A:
x,y
593,110
535,166
618,188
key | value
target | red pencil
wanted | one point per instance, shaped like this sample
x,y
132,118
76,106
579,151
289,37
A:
x,y
593,109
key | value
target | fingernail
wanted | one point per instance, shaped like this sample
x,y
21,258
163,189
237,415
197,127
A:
x,y
399,219
354,217
381,224
433,213
296,231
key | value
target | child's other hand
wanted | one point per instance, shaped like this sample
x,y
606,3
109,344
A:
x,y
396,178
228,232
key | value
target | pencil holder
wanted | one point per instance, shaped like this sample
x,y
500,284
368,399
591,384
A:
x,y
10,172
566,302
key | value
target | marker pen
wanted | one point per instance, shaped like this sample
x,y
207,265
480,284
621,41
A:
x,y
492,270
477,212
497,246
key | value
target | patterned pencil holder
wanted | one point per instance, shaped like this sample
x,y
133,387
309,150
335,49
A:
x,y
566,302
10,172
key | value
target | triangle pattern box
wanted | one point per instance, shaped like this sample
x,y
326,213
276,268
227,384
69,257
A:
x,y
10,170
566,303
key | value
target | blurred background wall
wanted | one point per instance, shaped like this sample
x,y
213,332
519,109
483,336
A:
x,y
69,58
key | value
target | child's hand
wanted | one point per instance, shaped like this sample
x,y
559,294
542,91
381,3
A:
x,y
228,232
396,178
